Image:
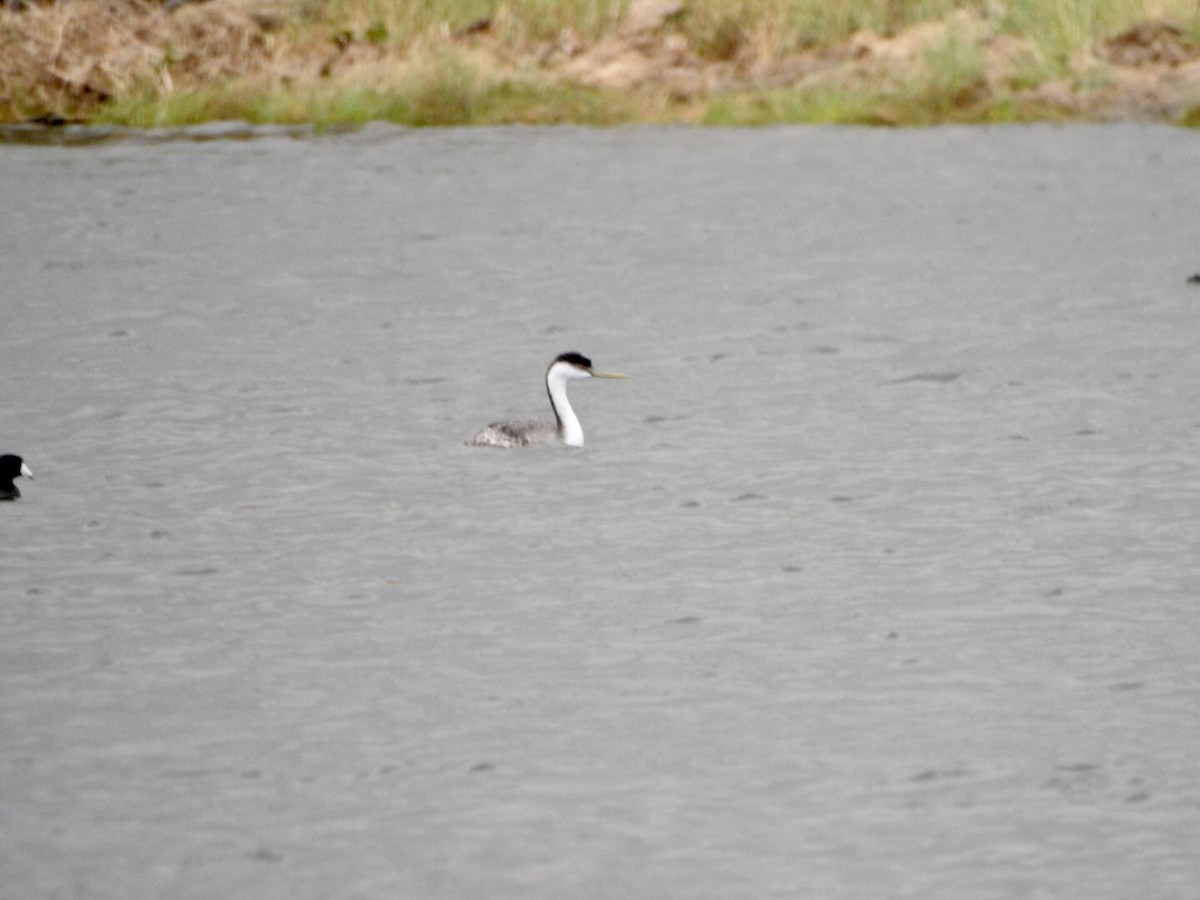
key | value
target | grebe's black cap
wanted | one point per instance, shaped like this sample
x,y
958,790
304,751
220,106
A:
x,y
575,359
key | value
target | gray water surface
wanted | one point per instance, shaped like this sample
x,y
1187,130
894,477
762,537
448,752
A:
x,y
878,578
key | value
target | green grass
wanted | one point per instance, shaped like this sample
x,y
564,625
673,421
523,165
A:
x,y
400,22
436,96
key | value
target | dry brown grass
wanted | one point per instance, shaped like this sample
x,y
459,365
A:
x,y
68,59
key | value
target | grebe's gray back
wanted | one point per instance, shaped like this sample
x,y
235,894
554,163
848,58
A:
x,y
565,427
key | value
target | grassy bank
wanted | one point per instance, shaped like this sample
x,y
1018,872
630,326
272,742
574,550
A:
x,y
438,62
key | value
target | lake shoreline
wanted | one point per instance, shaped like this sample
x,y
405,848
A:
x,y
145,65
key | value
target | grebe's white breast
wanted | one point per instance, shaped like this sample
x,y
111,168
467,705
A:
x,y
565,427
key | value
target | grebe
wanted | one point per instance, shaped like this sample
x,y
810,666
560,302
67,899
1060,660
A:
x,y
11,468
565,427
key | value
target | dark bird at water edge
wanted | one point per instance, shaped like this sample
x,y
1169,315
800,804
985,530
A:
x,y
11,468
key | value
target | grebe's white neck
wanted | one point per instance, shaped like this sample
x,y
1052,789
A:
x,y
570,432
